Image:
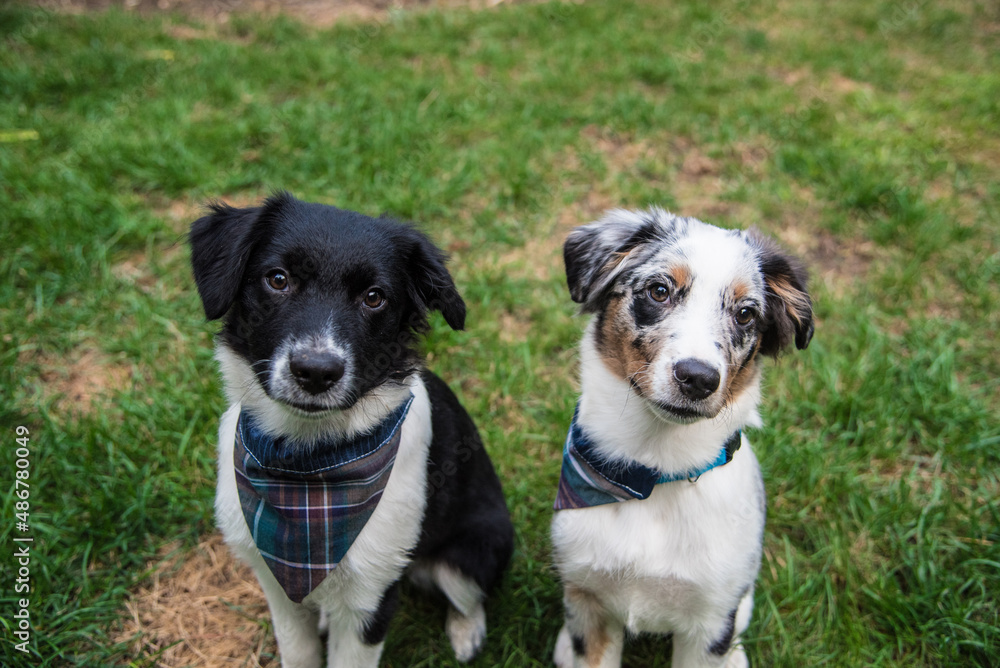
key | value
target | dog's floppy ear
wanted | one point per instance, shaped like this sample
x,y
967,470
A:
x,y
595,254
789,314
432,288
220,247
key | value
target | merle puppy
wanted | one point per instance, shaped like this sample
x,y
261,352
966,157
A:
x,y
660,508
342,461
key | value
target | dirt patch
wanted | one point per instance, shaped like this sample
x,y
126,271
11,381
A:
x,y
834,82
699,187
698,180
144,270
133,270
695,179
514,329
586,209
837,263
204,608
540,257
620,152
180,213
82,379
316,13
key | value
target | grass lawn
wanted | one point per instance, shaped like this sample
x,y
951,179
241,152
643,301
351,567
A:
x,y
863,134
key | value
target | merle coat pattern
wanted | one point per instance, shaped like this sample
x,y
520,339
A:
x,y
683,313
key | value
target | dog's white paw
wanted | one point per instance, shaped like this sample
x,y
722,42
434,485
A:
x,y
295,657
737,658
466,632
563,654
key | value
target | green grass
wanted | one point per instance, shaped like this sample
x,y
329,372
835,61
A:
x,y
862,134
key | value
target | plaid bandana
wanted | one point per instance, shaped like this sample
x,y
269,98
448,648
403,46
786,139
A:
x,y
305,507
587,481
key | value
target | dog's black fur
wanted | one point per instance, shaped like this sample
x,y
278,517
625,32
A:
x,y
288,273
331,257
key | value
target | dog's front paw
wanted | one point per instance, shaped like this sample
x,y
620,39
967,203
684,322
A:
x,y
563,654
466,632
310,657
737,658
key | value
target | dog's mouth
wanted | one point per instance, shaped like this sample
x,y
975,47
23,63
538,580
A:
x,y
312,409
305,405
677,413
670,411
308,409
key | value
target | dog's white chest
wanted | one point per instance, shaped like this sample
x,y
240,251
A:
x,y
655,562
380,552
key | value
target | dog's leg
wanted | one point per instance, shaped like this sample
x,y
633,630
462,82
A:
x,y
295,626
466,631
356,638
590,638
718,647
466,621
346,648
696,651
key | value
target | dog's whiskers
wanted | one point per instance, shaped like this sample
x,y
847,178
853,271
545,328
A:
x,y
632,381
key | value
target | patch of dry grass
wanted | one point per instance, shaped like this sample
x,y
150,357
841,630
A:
x,y
199,608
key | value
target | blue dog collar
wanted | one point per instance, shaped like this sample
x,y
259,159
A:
x,y
588,480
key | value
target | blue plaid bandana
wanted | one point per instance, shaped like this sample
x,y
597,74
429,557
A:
x,y
305,507
587,480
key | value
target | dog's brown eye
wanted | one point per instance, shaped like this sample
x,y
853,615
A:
x,y
277,280
745,316
374,298
659,293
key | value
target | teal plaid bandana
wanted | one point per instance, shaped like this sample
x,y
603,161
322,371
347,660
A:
x,y
306,506
587,480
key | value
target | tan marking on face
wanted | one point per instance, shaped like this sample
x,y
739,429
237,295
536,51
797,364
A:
x,y
608,336
681,276
741,291
623,359
589,622
740,379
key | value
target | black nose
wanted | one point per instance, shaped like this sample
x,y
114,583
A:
x,y
696,379
316,371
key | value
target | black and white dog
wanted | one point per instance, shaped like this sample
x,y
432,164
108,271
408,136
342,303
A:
x,y
342,461
661,507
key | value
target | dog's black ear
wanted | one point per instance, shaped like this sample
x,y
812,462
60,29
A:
x,y
432,288
220,247
596,254
789,314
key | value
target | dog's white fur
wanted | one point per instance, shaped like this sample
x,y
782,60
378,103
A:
x,y
655,563
680,560
279,419
380,553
